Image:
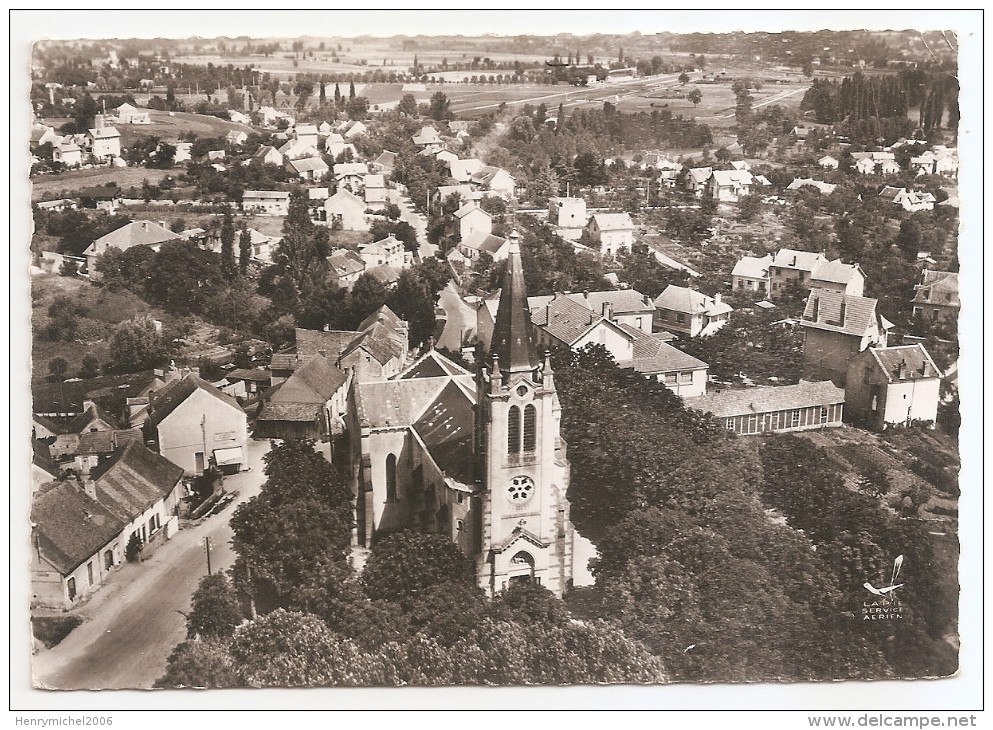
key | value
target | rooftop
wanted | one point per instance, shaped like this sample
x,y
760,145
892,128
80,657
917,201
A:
x,y
766,399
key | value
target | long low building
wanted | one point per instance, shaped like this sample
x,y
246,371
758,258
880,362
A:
x,y
781,408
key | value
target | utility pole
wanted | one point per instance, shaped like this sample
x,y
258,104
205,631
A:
x,y
206,542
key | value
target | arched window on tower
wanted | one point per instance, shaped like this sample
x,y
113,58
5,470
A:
x,y
514,430
530,418
391,478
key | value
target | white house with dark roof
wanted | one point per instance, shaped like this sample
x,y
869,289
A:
x,y
836,328
80,529
780,409
309,169
266,202
839,277
893,385
345,268
104,142
693,313
696,179
195,425
611,232
374,187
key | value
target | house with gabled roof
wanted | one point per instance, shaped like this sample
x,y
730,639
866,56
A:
x,y
494,181
729,185
621,306
937,296
611,232
836,328
751,273
462,170
385,162
479,242
775,409
828,162
136,233
345,268
375,191
465,192
67,153
195,425
696,179
352,129
128,114
63,434
345,210
350,175
428,138
308,169
81,529
266,202
807,182
683,310
236,138
268,155
839,277
790,266
893,385
104,142
388,251
308,404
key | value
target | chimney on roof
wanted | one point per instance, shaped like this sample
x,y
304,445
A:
x,y
841,315
901,370
794,261
717,298
98,122
608,310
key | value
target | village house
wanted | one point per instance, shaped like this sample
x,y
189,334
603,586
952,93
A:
x,y
946,161
806,182
308,404
246,383
828,162
473,219
63,434
375,191
263,246
295,149
266,202
444,155
696,179
103,197
839,277
236,138
910,200
892,385
727,186
57,206
386,252
869,163
937,296
127,114
428,138
306,134
792,267
81,530
780,409
495,181
96,446
465,192
136,233
238,117
611,232
104,142
346,211
622,306
689,312
480,242
350,175
385,162
345,268
568,216
335,145
184,152
308,169
751,273
836,328
67,153
462,170
352,129
195,425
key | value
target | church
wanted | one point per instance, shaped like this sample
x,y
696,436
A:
x,y
479,459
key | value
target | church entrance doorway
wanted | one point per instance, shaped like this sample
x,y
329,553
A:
x,y
521,568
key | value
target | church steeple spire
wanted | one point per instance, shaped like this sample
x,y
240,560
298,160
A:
x,y
513,333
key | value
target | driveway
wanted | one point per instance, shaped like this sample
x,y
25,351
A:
x,y
132,623
461,319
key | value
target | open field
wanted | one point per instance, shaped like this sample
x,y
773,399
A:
x,y
67,183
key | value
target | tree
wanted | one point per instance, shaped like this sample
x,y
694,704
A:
x,y
293,538
748,207
405,564
684,78
439,106
244,250
215,611
58,368
137,345
229,266
303,248
408,105
64,314
90,367
204,663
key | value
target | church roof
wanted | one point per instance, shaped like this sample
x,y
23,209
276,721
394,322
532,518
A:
x,y
431,364
513,335
399,403
446,427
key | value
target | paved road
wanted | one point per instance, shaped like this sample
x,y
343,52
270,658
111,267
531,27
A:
x,y
461,318
134,621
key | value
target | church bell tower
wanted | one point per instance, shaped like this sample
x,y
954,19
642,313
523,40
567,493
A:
x,y
525,532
